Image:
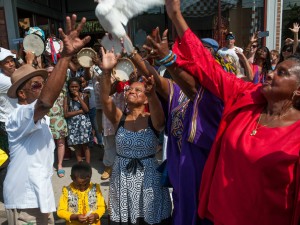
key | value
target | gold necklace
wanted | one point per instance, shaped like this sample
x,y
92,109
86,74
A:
x,y
254,132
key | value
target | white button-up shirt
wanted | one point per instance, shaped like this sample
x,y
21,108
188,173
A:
x,y
28,180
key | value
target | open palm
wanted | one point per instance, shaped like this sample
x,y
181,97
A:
x,y
109,60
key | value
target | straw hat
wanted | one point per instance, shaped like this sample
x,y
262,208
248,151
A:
x,y
23,74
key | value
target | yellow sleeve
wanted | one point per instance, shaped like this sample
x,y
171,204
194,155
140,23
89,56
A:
x,y
62,210
100,202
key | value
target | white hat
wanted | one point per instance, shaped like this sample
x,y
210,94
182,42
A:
x,y
4,53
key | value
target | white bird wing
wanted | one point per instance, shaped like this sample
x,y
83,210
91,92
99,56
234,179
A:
x,y
131,8
113,14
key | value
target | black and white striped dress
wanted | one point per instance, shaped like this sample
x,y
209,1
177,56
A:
x,y
137,198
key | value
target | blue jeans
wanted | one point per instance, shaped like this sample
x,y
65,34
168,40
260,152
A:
x,y
92,114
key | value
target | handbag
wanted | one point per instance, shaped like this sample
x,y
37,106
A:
x,y
163,169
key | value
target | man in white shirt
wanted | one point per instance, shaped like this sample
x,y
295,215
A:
x,y
230,48
7,67
7,105
28,192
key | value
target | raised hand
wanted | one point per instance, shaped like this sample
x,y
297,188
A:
x,y
173,8
158,45
109,59
149,86
30,57
70,38
254,37
295,28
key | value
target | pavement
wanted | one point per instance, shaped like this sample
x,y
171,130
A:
x,y
58,183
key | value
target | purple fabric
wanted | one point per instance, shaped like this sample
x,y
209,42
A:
x,y
186,157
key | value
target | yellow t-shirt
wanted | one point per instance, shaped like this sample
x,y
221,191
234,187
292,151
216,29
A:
x,y
73,201
3,157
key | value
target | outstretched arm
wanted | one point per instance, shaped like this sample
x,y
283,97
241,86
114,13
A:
x,y
295,30
72,44
188,84
155,107
174,13
198,61
248,71
114,114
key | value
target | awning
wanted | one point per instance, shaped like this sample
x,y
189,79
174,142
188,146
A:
x,y
200,8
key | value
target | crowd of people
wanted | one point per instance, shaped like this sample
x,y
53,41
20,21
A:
x,y
230,116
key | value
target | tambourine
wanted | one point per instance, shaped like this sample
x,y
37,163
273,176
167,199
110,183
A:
x,y
57,46
123,69
85,57
34,43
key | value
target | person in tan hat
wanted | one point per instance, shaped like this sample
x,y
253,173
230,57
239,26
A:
x,y
28,193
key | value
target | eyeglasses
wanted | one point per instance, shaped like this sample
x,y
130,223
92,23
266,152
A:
x,y
138,90
34,86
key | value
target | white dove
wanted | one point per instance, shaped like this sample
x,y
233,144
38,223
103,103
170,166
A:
x,y
113,15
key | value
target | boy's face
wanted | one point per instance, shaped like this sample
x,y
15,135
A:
x,y
81,184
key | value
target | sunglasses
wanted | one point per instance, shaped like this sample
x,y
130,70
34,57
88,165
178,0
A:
x,y
35,86
287,50
253,46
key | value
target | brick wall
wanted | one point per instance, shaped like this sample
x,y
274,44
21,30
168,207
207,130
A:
x,y
278,20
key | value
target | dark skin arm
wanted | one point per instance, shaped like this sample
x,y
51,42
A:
x,y
155,107
84,104
174,13
92,218
187,83
68,113
113,113
161,83
51,90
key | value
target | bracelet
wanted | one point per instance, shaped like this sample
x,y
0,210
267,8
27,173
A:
x,y
164,59
157,63
170,63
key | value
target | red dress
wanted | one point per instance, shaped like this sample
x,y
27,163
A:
x,y
247,179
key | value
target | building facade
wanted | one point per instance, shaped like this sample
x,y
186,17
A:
x,y
242,17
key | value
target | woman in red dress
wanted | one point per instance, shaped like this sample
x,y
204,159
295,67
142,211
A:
x,y
252,174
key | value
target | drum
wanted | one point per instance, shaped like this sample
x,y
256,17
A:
x,y
57,45
123,69
85,57
109,43
34,43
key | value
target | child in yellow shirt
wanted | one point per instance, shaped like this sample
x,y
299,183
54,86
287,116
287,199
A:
x,y
81,202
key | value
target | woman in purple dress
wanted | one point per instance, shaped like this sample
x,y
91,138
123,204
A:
x,y
193,116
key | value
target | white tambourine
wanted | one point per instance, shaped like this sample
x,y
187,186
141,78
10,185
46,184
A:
x,y
85,57
34,43
57,46
123,69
